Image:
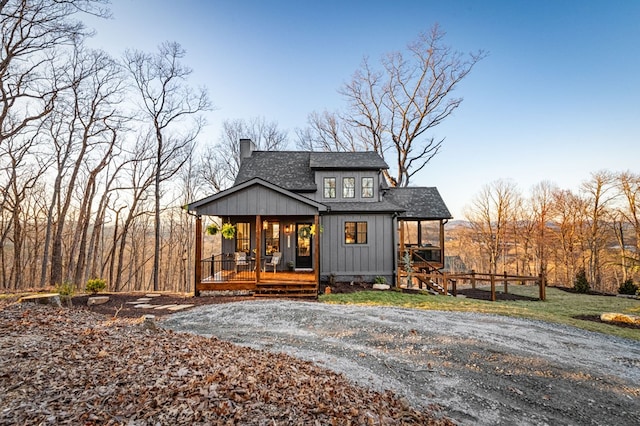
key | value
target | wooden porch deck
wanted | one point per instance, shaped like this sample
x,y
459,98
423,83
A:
x,y
281,284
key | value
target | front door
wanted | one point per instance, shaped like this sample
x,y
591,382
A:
x,y
303,245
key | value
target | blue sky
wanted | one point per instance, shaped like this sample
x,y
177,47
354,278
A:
x,y
557,98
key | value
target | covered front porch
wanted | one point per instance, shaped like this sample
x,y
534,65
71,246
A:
x,y
273,250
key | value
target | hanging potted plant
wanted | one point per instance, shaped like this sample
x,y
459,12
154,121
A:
x,y
213,229
228,231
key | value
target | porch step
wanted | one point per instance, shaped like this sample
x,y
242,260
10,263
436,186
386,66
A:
x,y
432,285
298,290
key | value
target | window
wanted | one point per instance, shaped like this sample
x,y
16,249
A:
x,y
355,232
272,238
367,187
348,187
329,187
243,237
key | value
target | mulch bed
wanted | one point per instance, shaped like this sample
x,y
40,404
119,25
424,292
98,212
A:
x,y
119,306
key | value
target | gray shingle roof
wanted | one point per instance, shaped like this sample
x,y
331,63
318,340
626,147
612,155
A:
x,y
419,202
287,169
368,160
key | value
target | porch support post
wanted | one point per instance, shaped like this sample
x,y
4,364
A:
x,y
258,247
401,254
442,242
198,257
316,248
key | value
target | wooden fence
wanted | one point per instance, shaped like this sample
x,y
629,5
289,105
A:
x,y
446,279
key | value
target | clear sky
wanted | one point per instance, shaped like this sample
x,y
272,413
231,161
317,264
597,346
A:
x,y
557,98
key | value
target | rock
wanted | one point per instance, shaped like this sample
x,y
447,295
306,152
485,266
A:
x,y
152,295
97,300
179,307
164,306
43,299
616,317
381,286
149,322
143,300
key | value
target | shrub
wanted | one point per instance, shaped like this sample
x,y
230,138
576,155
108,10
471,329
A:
x,y
628,287
380,280
65,289
96,285
581,284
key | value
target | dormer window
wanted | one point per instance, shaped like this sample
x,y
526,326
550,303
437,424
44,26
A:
x,y
348,187
329,187
367,187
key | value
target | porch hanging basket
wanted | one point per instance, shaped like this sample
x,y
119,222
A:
x,y
228,231
213,229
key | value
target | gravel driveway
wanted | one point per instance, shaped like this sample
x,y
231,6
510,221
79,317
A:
x,y
479,369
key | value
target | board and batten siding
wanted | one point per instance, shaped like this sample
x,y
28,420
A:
x,y
353,260
257,200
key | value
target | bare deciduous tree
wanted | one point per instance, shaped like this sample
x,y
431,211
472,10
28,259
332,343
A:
x,y
541,204
599,191
328,132
391,110
220,162
489,216
82,129
32,33
172,110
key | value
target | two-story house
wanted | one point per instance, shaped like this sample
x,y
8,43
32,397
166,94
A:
x,y
300,217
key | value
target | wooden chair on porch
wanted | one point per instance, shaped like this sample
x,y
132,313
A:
x,y
275,259
241,260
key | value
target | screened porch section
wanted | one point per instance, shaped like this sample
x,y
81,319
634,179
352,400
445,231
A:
x,y
422,241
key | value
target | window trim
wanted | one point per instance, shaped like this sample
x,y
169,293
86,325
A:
x,y
328,187
357,233
352,188
363,187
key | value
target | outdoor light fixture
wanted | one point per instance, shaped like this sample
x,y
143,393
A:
x,y
265,225
287,229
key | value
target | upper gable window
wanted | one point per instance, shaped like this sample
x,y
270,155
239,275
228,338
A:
x,y
329,187
367,187
348,187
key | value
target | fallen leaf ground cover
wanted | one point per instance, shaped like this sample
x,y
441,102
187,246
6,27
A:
x,y
72,366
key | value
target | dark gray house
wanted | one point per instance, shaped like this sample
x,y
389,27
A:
x,y
301,217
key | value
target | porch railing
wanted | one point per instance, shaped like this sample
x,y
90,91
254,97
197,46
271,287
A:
x,y
223,267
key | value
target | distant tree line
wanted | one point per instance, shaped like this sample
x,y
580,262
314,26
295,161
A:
x,y
561,233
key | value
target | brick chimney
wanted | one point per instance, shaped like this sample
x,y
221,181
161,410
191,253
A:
x,y
246,148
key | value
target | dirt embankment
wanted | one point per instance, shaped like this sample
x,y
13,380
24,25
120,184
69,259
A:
x,y
480,369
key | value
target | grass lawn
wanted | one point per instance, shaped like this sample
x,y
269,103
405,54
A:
x,y
560,307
